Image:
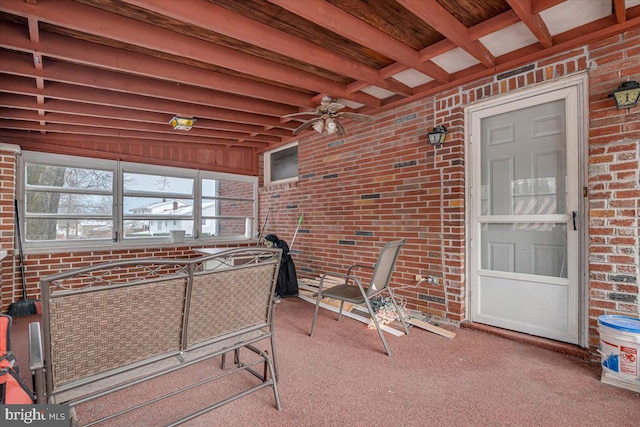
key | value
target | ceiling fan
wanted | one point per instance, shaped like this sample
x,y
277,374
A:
x,y
327,118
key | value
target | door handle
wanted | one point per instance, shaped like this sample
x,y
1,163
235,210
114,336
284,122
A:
x,y
575,214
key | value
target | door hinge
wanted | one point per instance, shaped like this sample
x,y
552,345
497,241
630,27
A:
x,y
585,192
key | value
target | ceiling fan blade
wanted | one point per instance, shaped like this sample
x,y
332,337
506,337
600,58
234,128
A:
x,y
334,106
357,116
306,113
305,125
341,130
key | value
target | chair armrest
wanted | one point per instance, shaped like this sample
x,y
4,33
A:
x,y
356,266
346,277
357,282
36,361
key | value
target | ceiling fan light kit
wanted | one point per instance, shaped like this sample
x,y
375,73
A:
x,y
330,125
318,126
327,118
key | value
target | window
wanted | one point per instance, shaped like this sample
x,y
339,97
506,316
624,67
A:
x,y
281,165
227,204
165,198
68,200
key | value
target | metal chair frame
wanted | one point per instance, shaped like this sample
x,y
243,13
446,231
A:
x,y
114,325
357,293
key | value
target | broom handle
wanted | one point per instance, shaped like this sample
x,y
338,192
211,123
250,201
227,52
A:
x,y
296,233
24,282
264,224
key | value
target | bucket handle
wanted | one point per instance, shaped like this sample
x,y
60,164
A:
x,y
605,357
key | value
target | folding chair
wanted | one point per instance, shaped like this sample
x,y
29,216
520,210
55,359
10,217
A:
x,y
354,292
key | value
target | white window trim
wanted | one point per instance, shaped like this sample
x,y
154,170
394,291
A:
x,y
267,165
118,169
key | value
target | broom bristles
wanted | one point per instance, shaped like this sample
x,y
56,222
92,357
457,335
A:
x,y
23,307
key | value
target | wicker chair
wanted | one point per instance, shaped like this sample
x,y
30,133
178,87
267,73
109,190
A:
x,y
353,291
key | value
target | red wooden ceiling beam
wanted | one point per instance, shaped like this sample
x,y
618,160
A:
x,y
92,96
431,12
162,131
533,21
121,133
14,63
22,102
223,21
340,22
619,8
109,58
69,14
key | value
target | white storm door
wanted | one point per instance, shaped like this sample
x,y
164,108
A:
x,y
524,262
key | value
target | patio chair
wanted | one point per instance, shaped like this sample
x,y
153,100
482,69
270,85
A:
x,y
353,291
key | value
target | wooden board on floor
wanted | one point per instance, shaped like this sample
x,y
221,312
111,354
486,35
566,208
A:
x,y
306,287
311,292
315,282
431,328
362,319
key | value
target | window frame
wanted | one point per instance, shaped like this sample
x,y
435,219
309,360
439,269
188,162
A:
x,y
162,220
268,165
118,217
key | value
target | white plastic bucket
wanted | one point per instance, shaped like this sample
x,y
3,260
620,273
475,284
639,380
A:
x,y
620,347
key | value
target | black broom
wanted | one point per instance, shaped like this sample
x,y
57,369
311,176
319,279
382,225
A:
x,y
24,307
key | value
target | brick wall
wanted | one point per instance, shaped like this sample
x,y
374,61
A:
x,y
39,265
235,208
384,181
614,182
7,223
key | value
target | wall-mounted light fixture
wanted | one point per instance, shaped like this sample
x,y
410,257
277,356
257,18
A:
x,y
626,96
182,123
437,136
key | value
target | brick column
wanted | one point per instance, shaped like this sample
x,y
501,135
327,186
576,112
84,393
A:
x,y
8,160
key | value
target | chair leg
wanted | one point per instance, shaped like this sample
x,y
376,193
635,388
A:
x,y
273,353
377,325
340,311
315,313
404,324
274,382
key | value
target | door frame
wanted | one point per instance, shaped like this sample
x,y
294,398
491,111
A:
x,y
580,82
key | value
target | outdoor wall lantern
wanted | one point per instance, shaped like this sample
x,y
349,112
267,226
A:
x,y
627,94
437,136
182,123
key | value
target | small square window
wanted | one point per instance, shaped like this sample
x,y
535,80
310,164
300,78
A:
x,y
281,165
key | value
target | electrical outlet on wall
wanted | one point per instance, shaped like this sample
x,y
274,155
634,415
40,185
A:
x,y
433,280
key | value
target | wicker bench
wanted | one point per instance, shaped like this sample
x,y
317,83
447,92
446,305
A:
x,y
115,325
